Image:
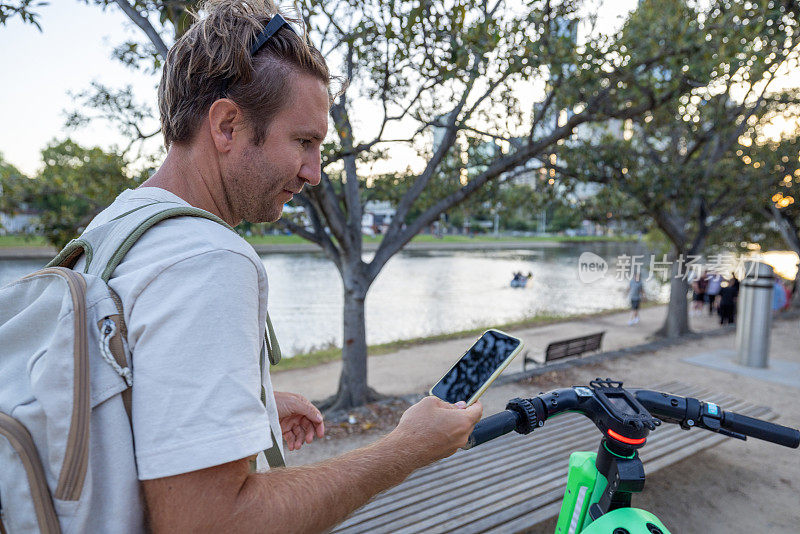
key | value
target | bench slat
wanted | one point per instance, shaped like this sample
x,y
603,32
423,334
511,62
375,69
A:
x,y
534,518
553,489
570,428
569,347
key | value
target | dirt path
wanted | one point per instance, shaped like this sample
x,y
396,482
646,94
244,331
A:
x,y
734,487
416,369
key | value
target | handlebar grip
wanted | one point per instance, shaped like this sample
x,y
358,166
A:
x,y
756,428
492,427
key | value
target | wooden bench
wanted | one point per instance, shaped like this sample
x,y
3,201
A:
x,y
516,481
567,348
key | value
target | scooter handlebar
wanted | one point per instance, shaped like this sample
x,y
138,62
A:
x,y
756,428
492,427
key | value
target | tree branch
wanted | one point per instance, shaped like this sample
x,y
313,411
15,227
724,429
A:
x,y
319,236
299,230
327,203
145,26
786,227
422,180
351,238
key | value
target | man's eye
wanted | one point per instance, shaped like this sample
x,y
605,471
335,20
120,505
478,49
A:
x,y
305,142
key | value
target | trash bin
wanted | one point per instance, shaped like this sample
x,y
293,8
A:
x,y
754,315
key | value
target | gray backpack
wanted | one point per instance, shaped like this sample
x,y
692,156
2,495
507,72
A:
x,y
63,353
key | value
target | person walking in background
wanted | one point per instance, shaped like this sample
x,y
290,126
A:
x,y
699,293
727,303
778,296
635,293
787,289
712,291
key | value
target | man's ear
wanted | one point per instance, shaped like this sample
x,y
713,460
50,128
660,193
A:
x,y
225,121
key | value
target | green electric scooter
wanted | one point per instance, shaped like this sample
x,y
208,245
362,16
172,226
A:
x,y
600,484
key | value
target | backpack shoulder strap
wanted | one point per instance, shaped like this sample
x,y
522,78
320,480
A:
x,y
106,246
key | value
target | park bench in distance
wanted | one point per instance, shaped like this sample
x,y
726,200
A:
x,y
567,348
514,482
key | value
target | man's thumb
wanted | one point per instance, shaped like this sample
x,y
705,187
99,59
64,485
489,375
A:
x,y
475,411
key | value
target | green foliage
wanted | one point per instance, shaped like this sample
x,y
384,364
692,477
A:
x,y
609,203
12,183
75,184
683,163
657,242
24,9
563,216
7,170
174,16
161,23
115,106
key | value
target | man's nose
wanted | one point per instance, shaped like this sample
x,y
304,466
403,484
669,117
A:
x,y
310,170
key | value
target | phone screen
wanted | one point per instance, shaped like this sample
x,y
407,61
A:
x,y
476,367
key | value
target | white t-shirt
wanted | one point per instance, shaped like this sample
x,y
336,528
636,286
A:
x,y
194,296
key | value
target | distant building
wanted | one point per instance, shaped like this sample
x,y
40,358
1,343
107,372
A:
x,y
377,216
21,223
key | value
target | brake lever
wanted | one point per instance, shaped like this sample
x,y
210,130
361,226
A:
x,y
713,424
731,434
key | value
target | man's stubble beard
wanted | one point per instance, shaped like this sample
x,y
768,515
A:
x,y
254,190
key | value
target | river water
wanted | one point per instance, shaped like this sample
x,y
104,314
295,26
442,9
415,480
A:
x,y
425,293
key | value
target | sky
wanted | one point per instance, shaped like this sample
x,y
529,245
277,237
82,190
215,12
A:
x,y
38,70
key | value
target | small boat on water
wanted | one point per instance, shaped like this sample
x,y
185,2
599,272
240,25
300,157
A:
x,y
520,280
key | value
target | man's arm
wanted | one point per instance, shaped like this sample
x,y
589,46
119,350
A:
x,y
310,498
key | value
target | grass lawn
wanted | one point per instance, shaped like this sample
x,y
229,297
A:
x,y
22,241
290,240
427,238
36,241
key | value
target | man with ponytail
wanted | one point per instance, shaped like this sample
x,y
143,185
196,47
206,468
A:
x,y
244,100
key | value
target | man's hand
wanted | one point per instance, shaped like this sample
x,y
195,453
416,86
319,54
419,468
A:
x,y
300,420
436,429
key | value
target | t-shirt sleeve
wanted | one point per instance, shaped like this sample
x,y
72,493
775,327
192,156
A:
x,y
195,342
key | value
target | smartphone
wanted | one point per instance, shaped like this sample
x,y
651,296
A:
x,y
477,368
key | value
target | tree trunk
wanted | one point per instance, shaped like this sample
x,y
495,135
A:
x,y
677,320
353,390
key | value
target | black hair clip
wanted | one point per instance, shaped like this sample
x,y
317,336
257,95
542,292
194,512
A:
x,y
275,23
